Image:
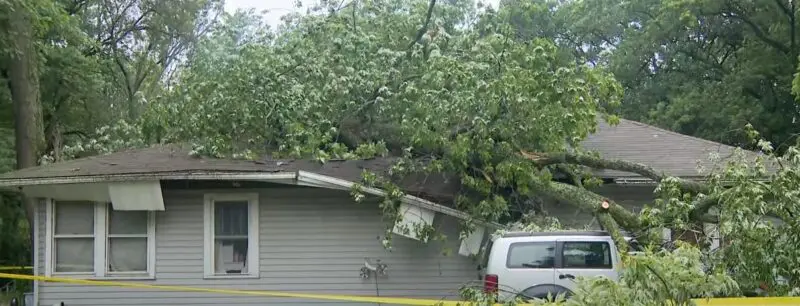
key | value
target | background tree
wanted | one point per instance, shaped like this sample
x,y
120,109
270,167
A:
x,y
703,68
70,67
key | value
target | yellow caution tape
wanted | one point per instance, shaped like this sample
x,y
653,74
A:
x,y
16,268
356,298
349,298
749,301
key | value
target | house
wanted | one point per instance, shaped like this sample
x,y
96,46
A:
x,y
160,216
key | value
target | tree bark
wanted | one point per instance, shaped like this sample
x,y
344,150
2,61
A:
x,y
24,87
590,202
546,159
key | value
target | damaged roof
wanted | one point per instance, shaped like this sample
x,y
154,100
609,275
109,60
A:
x,y
171,161
663,150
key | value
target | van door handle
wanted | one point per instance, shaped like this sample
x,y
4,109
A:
x,y
563,276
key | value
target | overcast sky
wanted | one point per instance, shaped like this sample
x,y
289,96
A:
x,y
277,8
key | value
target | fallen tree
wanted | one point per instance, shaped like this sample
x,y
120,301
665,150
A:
x,y
421,81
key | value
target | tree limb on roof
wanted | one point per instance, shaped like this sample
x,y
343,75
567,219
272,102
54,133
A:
x,y
546,159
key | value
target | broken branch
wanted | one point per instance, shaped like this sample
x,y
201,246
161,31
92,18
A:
x,y
590,202
546,159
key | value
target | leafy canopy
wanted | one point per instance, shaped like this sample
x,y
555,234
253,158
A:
x,y
381,77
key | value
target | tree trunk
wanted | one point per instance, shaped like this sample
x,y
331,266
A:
x,y
24,87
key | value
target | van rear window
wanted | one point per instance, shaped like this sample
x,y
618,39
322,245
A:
x,y
531,255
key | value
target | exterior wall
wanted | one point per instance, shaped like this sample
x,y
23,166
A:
x,y
311,241
632,197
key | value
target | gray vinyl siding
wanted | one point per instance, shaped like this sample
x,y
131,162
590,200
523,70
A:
x,y
311,241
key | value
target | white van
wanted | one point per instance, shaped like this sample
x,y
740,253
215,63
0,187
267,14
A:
x,y
531,265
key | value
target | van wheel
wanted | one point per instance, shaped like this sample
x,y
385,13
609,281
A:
x,y
541,293
528,300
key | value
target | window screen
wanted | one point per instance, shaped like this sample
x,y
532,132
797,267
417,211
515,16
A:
x,y
230,237
127,241
73,236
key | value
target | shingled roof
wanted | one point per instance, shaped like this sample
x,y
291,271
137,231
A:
x,y
633,141
666,151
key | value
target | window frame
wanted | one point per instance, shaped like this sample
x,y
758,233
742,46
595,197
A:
x,y
151,245
101,238
253,212
53,237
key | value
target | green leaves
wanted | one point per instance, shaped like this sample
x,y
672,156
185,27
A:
x,y
700,67
331,70
356,83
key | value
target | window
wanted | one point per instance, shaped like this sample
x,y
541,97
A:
x,y
587,255
73,237
531,255
231,224
93,239
127,241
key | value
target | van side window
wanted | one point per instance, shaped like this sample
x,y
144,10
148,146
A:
x,y
531,255
587,255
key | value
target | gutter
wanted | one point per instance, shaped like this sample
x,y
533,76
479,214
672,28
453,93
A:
x,y
647,181
204,175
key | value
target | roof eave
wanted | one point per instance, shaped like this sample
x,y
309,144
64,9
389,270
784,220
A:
x,y
203,175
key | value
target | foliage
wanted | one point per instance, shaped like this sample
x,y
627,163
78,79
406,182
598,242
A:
x,y
99,61
15,244
702,67
533,222
383,74
676,276
756,202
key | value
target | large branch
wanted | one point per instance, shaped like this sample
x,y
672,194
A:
x,y
612,216
425,24
546,159
700,211
588,201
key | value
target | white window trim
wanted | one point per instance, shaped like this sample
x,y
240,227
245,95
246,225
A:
x,y
100,247
252,242
36,252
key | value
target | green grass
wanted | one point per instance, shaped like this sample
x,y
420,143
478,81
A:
x,y
5,298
